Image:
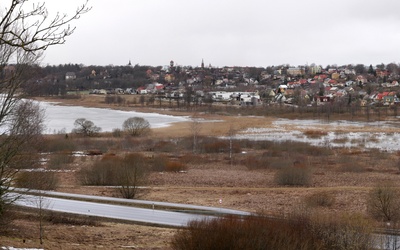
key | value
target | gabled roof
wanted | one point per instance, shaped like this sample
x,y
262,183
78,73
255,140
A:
x,y
303,81
331,81
381,95
159,86
321,77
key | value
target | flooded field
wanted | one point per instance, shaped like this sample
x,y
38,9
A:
x,y
382,135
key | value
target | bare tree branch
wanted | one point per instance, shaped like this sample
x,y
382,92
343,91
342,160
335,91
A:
x,y
26,31
34,29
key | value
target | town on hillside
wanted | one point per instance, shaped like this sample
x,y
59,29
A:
x,y
307,85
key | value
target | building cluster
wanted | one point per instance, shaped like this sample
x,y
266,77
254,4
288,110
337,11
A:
x,y
303,85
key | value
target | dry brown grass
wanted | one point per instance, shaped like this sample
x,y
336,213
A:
x,y
315,133
24,233
211,178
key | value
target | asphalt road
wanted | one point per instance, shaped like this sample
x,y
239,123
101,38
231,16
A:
x,y
129,213
151,216
219,210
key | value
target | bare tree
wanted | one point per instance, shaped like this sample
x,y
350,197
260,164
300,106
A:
x,y
85,127
42,204
231,134
26,31
127,172
136,126
32,29
384,202
195,128
21,132
132,173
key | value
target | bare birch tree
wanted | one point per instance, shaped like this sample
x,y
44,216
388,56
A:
x,y
26,30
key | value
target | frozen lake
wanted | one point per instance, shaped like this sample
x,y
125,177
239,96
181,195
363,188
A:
x,y
60,119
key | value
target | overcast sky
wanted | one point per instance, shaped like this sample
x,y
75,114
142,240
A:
x,y
231,32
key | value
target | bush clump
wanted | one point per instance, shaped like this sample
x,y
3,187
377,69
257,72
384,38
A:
x,y
60,160
128,172
352,167
162,163
37,180
320,199
175,166
159,163
257,232
293,176
216,147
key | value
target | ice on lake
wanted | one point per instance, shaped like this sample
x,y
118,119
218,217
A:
x,y
60,119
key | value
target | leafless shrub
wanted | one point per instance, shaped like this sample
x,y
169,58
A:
x,y
100,173
247,233
175,166
350,164
257,232
320,199
117,132
344,231
159,162
216,147
352,167
131,174
293,176
75,220
127,172
60,160
37,180
383,202
252,161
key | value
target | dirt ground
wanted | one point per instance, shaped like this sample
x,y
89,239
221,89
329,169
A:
x,y
204,184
